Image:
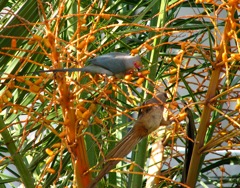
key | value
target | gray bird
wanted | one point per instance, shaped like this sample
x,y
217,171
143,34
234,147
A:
x,y
149,119
112,64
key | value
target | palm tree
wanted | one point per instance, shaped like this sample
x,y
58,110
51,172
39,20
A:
x,y
57,128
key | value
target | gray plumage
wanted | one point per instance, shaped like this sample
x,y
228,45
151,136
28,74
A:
x,y
112,64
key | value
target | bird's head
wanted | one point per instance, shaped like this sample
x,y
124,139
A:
x,y
137,63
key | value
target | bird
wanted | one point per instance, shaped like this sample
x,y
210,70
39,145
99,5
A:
x,y
111,64
149,119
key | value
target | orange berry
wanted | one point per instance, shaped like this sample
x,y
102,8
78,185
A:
x,y
145,72
20,79
230,143
224,57
106,16
28,82
50,159
91,38
128,77
112,110
93,107
47,43
38,81
51,170
83,28
82,21
78,114
37,37
8,93
34,88
44,75
222,169
84,124
14,43
81,108
108,92
114,87
148,46
140,81
49,152
31,42
4,98
237,107
182,116
86,115
172,79
173,105
177,60
134,51
82,44
97,120
56,145
11,84
172,71
236,56
51,38
40,97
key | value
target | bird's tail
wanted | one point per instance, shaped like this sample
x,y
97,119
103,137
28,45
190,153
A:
x,y
91,69
119,151
63,70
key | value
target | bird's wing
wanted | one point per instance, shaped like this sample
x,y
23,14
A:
x,y
112,62
97,70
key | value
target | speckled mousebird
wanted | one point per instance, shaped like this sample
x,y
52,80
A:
x,y
149,119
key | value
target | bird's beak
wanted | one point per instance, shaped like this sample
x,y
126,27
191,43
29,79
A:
x,y
138,65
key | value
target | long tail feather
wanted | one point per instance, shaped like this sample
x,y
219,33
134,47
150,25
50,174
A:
x,y
124,147
62,70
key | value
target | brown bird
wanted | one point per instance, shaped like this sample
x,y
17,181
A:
x,y
149,119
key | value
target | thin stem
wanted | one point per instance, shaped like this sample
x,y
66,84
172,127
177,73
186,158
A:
x,y
17,159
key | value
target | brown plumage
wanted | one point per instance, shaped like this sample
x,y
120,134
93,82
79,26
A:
x,y
149,120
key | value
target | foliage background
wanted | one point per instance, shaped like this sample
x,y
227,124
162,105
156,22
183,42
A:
x,y
55,127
